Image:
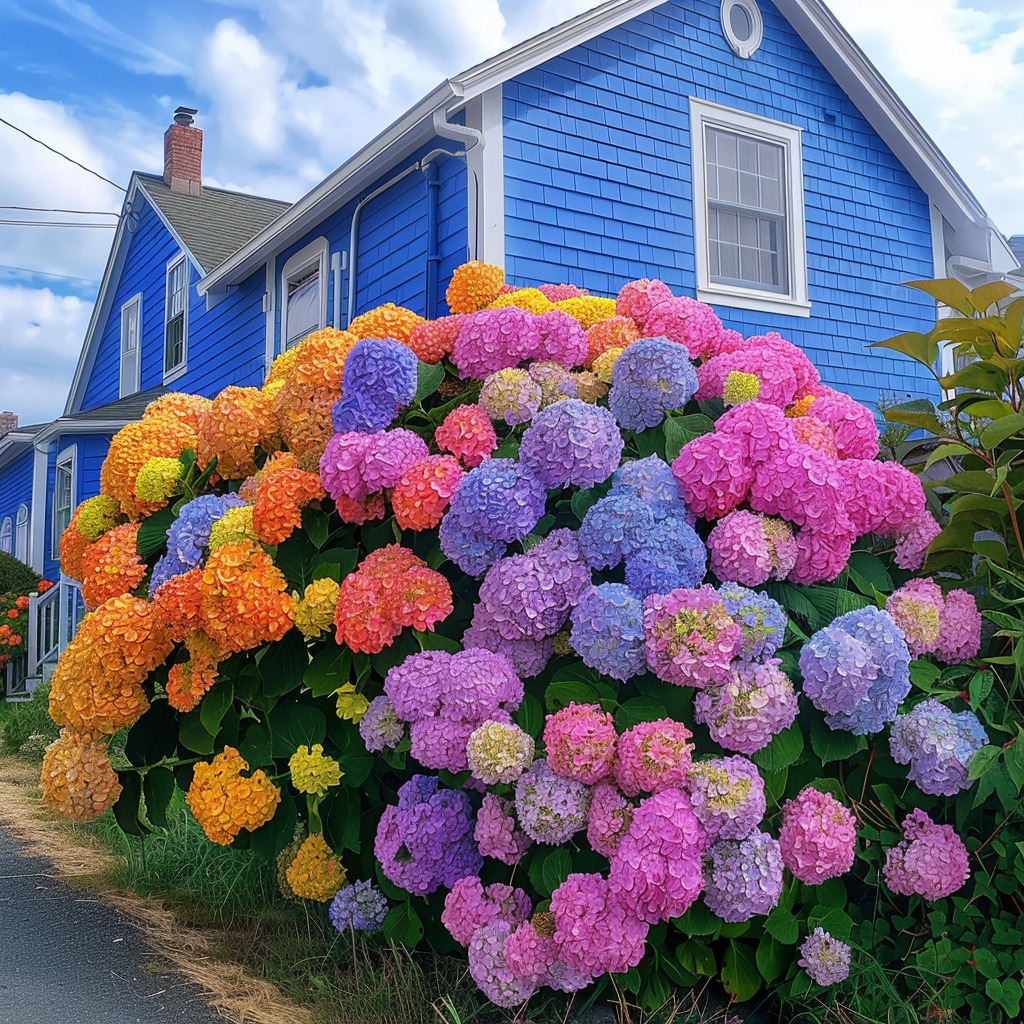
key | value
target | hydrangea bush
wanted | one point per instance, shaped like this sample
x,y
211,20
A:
x,y
579,633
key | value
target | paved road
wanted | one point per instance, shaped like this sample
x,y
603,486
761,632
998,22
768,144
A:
x,y
66,957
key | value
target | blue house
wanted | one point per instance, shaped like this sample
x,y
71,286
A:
x,y
746,152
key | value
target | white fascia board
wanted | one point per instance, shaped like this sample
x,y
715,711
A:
x,y
71,426
404,136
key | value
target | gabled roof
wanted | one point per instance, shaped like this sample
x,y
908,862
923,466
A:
x,y
846,62
15,442
131,407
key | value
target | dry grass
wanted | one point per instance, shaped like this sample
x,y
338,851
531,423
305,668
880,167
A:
x,y
234,993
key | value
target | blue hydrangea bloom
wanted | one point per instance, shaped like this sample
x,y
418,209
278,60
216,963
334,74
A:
x,y
361,906
608,631
612,528
380,376
653,376
857,670
938,745
189,534
571,442
649,479
760,617
672,556
166,568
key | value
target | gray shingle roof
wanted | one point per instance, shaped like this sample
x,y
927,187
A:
x,y
215,224
131,407
1017,245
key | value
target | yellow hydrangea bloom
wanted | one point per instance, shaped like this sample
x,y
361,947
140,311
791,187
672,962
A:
x,y
234,527
312,771
604,363
351,705
740,387
97,515
316,873
314,611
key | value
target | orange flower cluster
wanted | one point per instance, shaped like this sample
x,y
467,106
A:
x,y
224,801
421,496
314,611
77,778
245,601
282,490
391,589
432,340
238,421
473,286
320,359
73,545
182,408
387,321
316,872
97,684
801,408
189,681
615,332
179,602
111,565
303,417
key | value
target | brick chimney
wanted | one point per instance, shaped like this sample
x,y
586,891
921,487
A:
x,y
183,154
8,422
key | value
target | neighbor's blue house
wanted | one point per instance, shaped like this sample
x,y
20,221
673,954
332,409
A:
x,y
744,151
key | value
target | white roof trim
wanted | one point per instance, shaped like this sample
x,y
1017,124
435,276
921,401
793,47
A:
x,y
71,426
811,19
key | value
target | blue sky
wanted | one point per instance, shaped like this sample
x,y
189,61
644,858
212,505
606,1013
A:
x,y
287,89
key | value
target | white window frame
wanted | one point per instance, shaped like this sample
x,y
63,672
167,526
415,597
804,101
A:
x,y
21,524
795,301
7,536
65,465
172,372
745,48
133,304
298,265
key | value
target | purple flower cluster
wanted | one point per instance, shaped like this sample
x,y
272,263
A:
x,y
531,954
380,726
571,442
760,618
380,376
550,808
727,795
487,966
743,877
651,377
355,465
613,528
650,479
825,959
857,670
930,860
938,745
608,631
497,834
426,841
361,906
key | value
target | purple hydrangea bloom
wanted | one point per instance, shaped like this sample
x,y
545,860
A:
x,y
462,541
743,877
649,479
189,534
727,794
361,906
426,841
571,442
857,670
550,808
529,596
488,969
746,711
930,861
494,339
672,557
380,726
825,959
529,657
380,376
608,631
388,455
651,377
761,619
938,745
614,527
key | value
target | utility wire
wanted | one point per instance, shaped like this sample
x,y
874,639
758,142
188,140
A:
x,y
60,154
54,209
46,273
55,224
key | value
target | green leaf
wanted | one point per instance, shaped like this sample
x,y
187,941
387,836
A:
x,y
949,292
582,501
975,481
639,709
919,414
833,919
989,294
783,926
256,746
215,705
923,674
403,926
739,972
126,810
919,347
152,535
340,813
530,716
1007,993
549,869
983,762
428,379
561,693
996,433
771,958
158,788
329,669
870,570
697,958
193,735
785,749
293,725
834,744
949,450
979,688
680,430
317,526
283,664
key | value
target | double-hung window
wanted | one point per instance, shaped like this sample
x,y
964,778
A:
x,y
21,534
63,497
176,318
131,322
749,235
304,293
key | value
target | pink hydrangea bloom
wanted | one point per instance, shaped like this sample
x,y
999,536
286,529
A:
x,y
467,432
821,554
493,339
751,548
653,756
341,466
580,742
636,298
801,485
818,836
488,969
561,292
881,497
686,322
930,861
497,835
916,608
657,870
779,366
560,339
531,954
912,545
853,425
387,455
595,933
689,638
609,818
959,629
728,341
714,474
470,905
812,432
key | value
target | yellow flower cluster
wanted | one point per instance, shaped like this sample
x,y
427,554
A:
x,y
234,527
605,363
224,801
588,309
77,779
351,706
316,873
740,387
473,286
159,479
312,771
533,300
801,408
97,515
314,611
238,421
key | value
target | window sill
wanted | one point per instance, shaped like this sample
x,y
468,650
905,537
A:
x,y
174,374
738,298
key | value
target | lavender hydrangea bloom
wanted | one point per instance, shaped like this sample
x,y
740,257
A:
x,y
857,670
380,376
380,726
487,967
613,528
189,534
761,619
426,841
727,794
361,906
672,557
651,377
571,442
825,959
939,746
608,631
930,861
167,567
550,808
743,877
649,479
529,657
462,541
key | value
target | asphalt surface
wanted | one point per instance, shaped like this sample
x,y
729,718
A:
x,y
66,957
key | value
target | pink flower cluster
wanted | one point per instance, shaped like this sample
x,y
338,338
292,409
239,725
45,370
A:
x,y
947,626
580,742
494,339
818,836
497,834
658,313
653,756
930,860
751,548
782,370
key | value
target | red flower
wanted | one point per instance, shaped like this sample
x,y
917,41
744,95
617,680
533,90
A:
x,y
22,602
13,613
43,586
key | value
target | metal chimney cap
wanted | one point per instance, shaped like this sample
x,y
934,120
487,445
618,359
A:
x,y
185,115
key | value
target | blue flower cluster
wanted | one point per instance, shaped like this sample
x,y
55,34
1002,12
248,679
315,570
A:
x,y
608,631
761,619
361,906
652,377
380,376
938,745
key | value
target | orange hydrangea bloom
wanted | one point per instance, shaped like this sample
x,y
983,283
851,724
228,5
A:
x,y
281,495
801,407
111,565
72,546
387,321
316,872
615,332
432,340
281,367
180,407
421,496
473,286
97,684
224,801
179,600
245,600
188,681
77,778
320,359
588,309
302,416
239,421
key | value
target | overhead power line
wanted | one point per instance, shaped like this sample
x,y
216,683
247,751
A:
x,y
60,154
57,209
55,224
46,273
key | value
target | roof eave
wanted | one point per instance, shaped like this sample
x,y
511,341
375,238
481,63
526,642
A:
x,y
69,425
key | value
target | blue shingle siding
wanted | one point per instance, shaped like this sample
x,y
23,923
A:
x,y
16,487
597,183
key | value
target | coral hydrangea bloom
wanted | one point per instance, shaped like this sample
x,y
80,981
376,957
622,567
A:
x,y
238,421
280,497
303,417
422,493
432,340
473,286
386,321
637,298
77,778
316,873
615,332
179,601
224,801
467,433
818,836
73,545
580,742
930,860
111,565
653,756
189,681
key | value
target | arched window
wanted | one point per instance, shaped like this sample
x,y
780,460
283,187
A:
x,y
21,534
5,535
